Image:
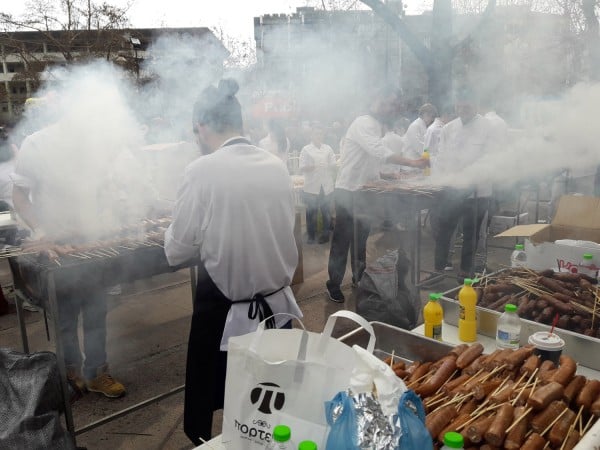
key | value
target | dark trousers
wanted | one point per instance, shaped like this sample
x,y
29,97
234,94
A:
x,y
206,364
454,209
91,304
315,203
343,238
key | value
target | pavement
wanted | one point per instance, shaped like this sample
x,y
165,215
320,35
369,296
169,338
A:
x,y
148,327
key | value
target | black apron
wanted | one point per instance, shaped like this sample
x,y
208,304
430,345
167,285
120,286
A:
x,y
206,364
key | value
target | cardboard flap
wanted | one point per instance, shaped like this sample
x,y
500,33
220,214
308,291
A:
x,y
523,230
578,211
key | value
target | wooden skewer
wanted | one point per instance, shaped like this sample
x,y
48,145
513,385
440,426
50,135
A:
x,y
571,428
554,421
449,378
392,359
521,417
418,379
499,388
588,425
533,388
514,402
475,417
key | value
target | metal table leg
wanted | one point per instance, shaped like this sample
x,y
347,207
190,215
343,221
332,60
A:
x,y
60,360
21,319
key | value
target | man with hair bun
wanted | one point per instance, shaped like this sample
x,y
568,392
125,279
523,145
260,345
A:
x,y
234,215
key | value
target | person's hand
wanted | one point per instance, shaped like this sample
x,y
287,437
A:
x,y
420,163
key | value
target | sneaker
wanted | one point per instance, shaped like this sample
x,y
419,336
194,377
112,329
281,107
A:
x,y
76,381
107,385
335,294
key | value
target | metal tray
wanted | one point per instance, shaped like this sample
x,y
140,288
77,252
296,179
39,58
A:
x,y
583,349
410,346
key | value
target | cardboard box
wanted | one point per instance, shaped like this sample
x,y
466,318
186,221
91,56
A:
x,y
506,220
578,218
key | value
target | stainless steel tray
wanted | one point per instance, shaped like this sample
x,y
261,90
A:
x,y
583,349
410,346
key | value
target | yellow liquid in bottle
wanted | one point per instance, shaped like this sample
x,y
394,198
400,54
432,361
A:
x,y
433,315
467,322
426,170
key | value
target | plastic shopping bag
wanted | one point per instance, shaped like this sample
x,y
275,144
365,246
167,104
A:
x,y
389,417
284,377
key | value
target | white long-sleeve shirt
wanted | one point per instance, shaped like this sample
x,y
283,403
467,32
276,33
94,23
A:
x,y
414,139
363,154
323,160
463,145
235,210
432,137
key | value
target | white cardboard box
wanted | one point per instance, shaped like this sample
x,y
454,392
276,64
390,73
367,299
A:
x,y
577,218
500,223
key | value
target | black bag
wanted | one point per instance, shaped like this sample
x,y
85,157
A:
x,y
31,402
384,296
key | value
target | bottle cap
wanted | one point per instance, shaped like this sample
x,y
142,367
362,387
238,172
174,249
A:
x,y
468,282
519,247
434,297
282,433
510,307
588,256
307,445
453,439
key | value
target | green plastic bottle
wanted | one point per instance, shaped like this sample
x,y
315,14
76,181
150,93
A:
x,y
307,445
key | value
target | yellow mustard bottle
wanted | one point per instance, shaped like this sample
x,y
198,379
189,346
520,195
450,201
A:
x,y
427,170
467,322
433,315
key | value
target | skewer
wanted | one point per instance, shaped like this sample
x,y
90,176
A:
x,y
514,402
572,427
475,417
499,388
527,411
587,425
392,358
554,421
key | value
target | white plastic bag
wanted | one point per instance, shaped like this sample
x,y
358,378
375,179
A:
x,y
285,377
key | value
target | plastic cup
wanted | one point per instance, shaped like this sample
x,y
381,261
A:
x,y
547,346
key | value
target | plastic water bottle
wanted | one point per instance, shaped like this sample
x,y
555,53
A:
x,y
282,439
453,440
518,257
588,266
508,328
307,445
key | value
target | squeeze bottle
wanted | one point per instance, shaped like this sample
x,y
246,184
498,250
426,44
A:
x,y
467,322
433,315
427,170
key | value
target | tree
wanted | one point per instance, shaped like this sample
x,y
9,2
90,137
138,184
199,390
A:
x,y
592,36
242,52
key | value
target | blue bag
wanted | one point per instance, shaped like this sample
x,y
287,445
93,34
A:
x,y
405,431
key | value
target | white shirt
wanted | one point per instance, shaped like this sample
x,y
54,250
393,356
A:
x,y
6,182
269,143
394,142
363,154
432,137
323,159
461,146
235,210
414,139
499,129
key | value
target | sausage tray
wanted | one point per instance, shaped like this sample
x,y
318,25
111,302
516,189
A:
x,y
411,346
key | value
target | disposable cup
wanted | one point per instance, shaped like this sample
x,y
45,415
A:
x,y
548,346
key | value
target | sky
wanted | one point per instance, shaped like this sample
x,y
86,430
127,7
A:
x,y
235,17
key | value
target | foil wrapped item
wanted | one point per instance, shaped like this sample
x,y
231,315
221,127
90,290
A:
x,y
375,431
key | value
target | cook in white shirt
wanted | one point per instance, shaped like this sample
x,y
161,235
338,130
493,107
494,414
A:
x,y
434,131
462,142
317,162
363,155
235,213
414,139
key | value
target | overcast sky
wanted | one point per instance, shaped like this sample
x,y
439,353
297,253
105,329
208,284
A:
x,y
234,16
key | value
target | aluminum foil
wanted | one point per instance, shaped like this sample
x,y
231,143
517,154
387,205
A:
x,y
375,431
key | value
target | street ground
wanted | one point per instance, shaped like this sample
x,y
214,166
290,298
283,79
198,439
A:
x,y
148,327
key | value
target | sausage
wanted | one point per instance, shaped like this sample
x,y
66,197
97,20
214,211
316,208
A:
x,y
441,375
460,420
546,377
516,358
477,429
595,408
566,370
482,390
588,394
496,432
437,421
553,285
534,442
572,440
498,360
468,407
469,355
541,420
459,349
560,307
573,388
503,288
503,395
459,381
530,365
475,366
559,430
516,436
546,366
545,395
419,372
412,367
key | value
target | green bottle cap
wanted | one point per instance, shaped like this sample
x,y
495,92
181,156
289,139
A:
x,y
282,433
468,282
588,256
519,247
434,297
307,445
453,440
510,307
